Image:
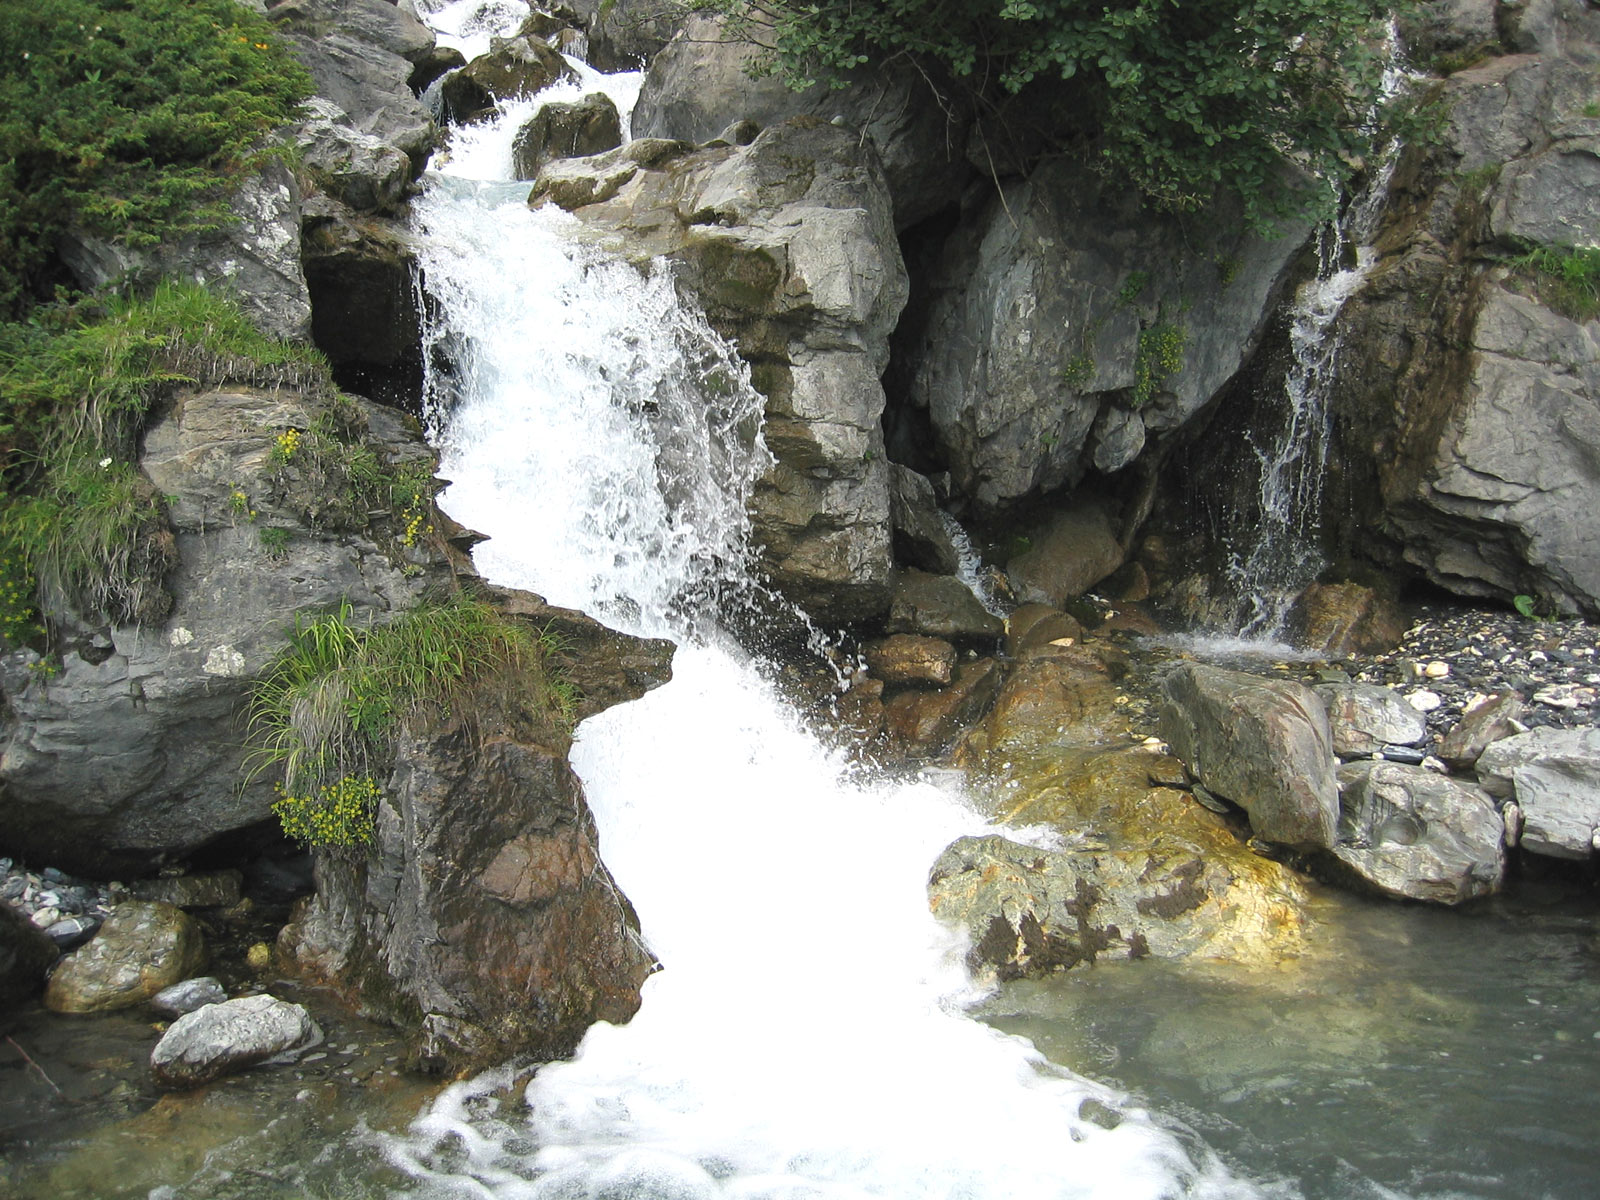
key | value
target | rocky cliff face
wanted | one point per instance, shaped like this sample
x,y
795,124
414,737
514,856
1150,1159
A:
x,y
1468,401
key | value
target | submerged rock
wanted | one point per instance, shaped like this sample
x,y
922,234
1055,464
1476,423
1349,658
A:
x,y
143,948
1416,835
218,889
908,658
1262,743
220,1039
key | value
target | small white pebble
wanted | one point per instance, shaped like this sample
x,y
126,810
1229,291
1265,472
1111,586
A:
x,y
1423,700
1435,765
1437,670
1538,656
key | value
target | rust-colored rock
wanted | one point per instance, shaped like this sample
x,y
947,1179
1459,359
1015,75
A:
x,y
1037,625
1341,619
926,722
910,658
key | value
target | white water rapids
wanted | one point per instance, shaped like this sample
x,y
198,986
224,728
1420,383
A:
x,y
806,1036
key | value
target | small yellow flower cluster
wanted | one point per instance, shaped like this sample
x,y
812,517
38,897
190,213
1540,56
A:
x,y
288,443
239,502
415,529
342,813
17,616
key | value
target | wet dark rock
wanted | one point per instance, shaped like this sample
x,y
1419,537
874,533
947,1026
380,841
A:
x,y
1031,625
217,889
188,995
142,948
924,722
921,531
1342,619
1365,719
1416,835
567,129
939,606
1070,553
70,932
221,1039
909,658
1262,743
25,955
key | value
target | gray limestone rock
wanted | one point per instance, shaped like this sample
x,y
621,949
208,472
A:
x,y
187,996
922,537
515,67
1046,309
939,606
1365,718
1484,721
789,245
143,948
698,85
1554,776
358,169
1262,743
1416,835
221,1039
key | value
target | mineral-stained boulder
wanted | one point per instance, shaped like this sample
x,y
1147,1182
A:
x,y
1064,323
1416,835
143,947
909,658
221,1039
699,84
566,129
1055,694
515,67
1364,718
924,722
1554,776
1340,619
1486,719
132,751
1262,743
789,245
939,606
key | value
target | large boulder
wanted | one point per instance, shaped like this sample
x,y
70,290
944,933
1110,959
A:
x,y
483,921
699,84
624,35
221,1039
143,948
1467,401
1262,743
1068,553
355,168
1554,776
1064,323
566,129
939,606
132,751
1416,835
1364,718
789,246
514,68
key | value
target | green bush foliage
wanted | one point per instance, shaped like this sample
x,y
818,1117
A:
x,y
1180,99
76,516
129,118
327,711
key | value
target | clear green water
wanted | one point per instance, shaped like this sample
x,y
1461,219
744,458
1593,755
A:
x,y
1414,1051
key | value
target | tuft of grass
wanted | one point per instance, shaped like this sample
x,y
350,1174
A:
x,y
1566,278
76,386
329,708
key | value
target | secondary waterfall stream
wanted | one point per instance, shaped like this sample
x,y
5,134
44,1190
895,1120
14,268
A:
x,y
806,1036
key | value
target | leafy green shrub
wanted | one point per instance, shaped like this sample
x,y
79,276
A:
x,y
1181,99
1567,278
327,711
1159,357
129,118
342,813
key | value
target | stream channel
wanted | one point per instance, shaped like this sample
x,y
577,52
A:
x,y
814,1033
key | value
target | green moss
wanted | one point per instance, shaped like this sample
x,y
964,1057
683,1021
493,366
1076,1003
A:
x,y
1158,358
130,119
1077,371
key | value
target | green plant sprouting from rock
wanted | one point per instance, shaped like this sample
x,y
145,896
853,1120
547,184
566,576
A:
x,y
76,386
1566,278
328,710
1159,357
130,120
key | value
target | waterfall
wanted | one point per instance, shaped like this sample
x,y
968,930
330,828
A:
x,y
806,1036
1274,551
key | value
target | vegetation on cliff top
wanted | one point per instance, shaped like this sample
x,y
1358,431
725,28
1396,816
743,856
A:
x,y
1181,100
128,119
328,710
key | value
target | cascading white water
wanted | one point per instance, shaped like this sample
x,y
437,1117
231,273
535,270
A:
x,y
1276,555
806,1036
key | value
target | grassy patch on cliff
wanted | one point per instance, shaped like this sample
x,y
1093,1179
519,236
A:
x,y
129,119
1566,278
79,523
328,710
